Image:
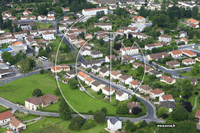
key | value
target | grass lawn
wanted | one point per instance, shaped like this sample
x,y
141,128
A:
x,y
2,108
192,101
189,74
3,130
79,100
43,25
56,125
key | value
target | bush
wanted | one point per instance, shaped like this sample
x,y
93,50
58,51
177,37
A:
x,y
76,123
104,110
42,71
99,92
196,93
136,110
86,126
37,92
99,116
165,116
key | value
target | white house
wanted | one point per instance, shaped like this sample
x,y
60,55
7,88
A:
x,y
134,84
156,93
89,80
139,19
105,26
110,57
114,124
104,72
42,18
24,18
168,97
50,18
164,38
176,54
82,75
129,50
108,90
96,86
48,35
145,89
94,11
5,117
183,40
51,13
16,125
115,75
167,79
188,61
96,54
95,69
125,79
121,96
183,34
154,45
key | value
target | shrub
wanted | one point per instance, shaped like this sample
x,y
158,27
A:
x,y
196,93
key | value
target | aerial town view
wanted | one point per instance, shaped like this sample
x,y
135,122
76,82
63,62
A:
x,y
99,66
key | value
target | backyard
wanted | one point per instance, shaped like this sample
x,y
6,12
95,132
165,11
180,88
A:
x,y
44,25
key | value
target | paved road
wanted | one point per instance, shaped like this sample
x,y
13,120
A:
x,y
151,116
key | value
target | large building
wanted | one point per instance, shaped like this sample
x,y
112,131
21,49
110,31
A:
x,y
94,11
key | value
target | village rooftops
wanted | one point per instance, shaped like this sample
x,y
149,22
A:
x,y
167,97
145,87
82,74
45,99
6,115
125,77
108,89
103,70
115,73
95,9
159,55
135,82
96,83
176,52
174,62
157,91
128,48
15,122
133,105
119,93
165,36
189,60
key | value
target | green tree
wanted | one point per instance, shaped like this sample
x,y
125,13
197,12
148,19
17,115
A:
x,y
76,123
57,92
134,98
122,108
73,83
195,39
130,127
37,93
99,116
64,110
140,70
24,65
1,20
195,12
161,111
179,113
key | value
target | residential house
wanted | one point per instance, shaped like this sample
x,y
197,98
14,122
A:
x,y
129,50
63,67
51,13
33,32
33,18
110,57
96,86
108,90
66,9
114,124
51,18
161,31
66,18
176,54
88,36
134,83
95,69
62,27
193,21
37,48
156,73
93,11
115,75
121,96
90,63
193,25
26,13
156,93
104,72
125,79
16,125
197,59
167,79
145,89
96,54
183,40
168,104
133,105
5,117
42,18
12,18
139,19
34,102
71,74
194,81
104,26
154,45
188,53
48,35
82,75
127,59
197,115
183,34
164,38
72,39
24,18
89,80
103,18
168,97
188,61
157,55
173,64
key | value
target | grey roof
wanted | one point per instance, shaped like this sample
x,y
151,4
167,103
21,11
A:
x,y
72,72
51,12
96,83
154,72
168,104
2,71
95,67
120,92
90,62
31,23
96,52
108,1
114,120
103,70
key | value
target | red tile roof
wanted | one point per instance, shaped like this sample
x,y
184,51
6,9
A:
x,y
82,74
167,97
157,91
15,122
6,115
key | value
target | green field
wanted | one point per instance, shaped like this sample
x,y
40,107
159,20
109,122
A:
x,y
3,130
56,125
2,108
189,74
44,25
21,89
